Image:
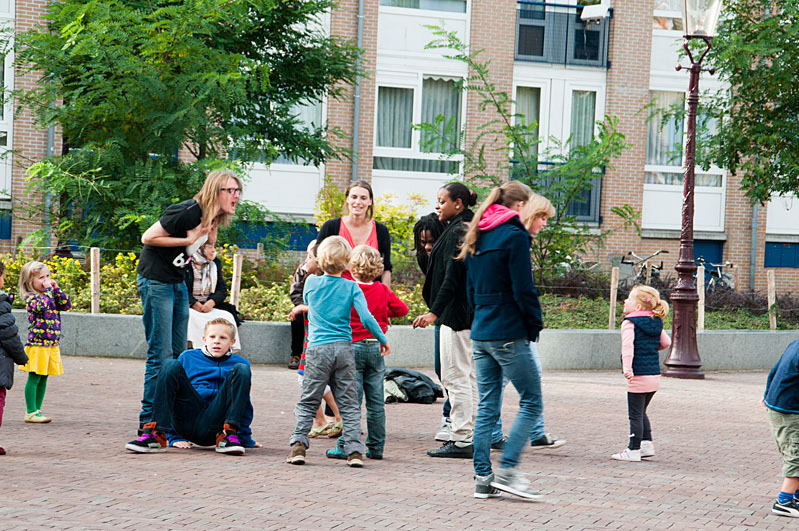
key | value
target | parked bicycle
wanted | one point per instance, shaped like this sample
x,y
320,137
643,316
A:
x,y
715,274
639,266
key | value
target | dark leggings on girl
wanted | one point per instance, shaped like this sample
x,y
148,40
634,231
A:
x,y
639,422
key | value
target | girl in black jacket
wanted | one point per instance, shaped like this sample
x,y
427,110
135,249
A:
x,y
444,292
11,349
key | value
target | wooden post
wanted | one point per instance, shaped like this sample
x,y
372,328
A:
x,y
238,260
700,288
614,290
95,279
648,273
736,277
259,252
772,300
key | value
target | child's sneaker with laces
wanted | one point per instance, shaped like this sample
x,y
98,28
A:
x,y
483,489
627,455
151,441
647,449
789,508
297,455
512,481
227,442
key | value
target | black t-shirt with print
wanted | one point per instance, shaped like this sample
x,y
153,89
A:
x,y
166,264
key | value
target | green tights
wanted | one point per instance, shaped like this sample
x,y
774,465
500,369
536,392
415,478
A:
x,y
34,391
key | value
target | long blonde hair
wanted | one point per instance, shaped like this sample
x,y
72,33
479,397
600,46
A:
x,y
649,299
26,274
508,194
539,207
208,197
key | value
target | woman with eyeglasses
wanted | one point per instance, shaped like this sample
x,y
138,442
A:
x,y
168,247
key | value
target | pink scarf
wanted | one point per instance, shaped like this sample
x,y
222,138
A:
x,y
494,216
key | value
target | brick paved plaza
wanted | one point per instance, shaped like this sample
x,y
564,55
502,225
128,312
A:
x,y
716,466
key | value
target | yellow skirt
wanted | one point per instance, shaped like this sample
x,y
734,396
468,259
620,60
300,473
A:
x,y
45,361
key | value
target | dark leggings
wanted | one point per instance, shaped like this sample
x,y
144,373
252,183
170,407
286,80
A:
x,y
639,422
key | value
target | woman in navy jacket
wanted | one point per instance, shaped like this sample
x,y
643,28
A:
x,y
507,318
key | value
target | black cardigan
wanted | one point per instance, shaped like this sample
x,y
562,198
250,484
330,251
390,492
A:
x,y
332,227
444,288
220,293
11,350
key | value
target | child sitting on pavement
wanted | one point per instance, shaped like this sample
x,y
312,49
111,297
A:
x,y
203,397
782,402
329,357
366,266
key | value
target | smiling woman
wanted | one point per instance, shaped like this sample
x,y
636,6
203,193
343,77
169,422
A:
x,y
358,227
168,246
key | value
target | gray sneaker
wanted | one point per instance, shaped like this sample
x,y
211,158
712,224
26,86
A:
x,y
512,481
483,488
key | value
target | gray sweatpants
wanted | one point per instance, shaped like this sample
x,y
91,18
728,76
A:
x,y
332,363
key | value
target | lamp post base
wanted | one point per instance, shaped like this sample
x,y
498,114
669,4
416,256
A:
x,y
683,372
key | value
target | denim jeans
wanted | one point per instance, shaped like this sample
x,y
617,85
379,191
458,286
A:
x,y
180,407
437,366
333,363
371,368
538,428
493,359
166,322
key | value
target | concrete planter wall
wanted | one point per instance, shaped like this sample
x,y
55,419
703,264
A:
x,y
122,336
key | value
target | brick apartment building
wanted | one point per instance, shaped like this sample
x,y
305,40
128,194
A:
x,y
562,72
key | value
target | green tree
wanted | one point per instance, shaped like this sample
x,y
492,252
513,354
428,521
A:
x,y
573,169
756,54
130,83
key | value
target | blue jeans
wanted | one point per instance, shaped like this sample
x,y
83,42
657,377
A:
x,y
492,359
538,428
437,366
166,321
371,368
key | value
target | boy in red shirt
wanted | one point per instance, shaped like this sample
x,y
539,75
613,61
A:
x,y
366,266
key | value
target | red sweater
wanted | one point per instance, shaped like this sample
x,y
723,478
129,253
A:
x,y
383,304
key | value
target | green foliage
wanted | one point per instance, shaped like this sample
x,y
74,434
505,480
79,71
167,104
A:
x,y
755,54
131,83
573,168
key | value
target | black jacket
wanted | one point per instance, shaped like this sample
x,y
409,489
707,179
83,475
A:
x,y
444,288
419,388
332,227
11,349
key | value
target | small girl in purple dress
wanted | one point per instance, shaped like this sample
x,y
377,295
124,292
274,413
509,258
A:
x,y
43,301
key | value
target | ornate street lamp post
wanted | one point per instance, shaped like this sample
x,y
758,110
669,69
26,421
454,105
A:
x,y
699,18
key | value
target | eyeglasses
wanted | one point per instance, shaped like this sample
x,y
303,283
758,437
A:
x,y
232,191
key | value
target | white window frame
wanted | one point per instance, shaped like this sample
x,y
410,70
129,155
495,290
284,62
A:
x,y
599,105
7,122
429,12
414,152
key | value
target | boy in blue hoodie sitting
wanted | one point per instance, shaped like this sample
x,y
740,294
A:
x,y
203,397
782,402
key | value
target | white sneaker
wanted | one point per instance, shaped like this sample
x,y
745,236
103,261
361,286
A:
x,y
627,455
647,449
444,430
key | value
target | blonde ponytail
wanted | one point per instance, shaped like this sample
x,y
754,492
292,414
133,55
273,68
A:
x,y
649,299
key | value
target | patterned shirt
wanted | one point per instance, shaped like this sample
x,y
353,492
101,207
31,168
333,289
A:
x,y
44,320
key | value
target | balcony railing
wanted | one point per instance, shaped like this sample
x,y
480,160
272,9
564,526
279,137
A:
x,y
554,33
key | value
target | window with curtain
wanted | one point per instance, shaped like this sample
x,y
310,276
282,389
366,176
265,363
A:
x,y
452,6
309,116
667,15
394,117
664,139
528,109
583,117
440,96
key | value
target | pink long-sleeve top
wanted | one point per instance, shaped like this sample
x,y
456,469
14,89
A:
x,y
644,383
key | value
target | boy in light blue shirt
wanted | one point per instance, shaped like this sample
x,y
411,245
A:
x,y
329,356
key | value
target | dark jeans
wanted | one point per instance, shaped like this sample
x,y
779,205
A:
x,y
298,335
492,360
166,323
639,422
437,365
371,369
179,406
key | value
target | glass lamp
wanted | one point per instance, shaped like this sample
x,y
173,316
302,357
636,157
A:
x,y
700,17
